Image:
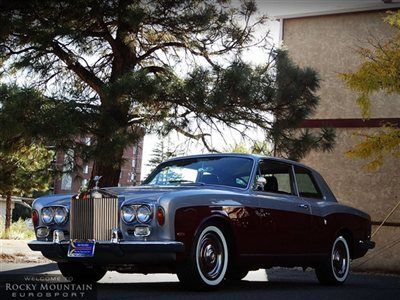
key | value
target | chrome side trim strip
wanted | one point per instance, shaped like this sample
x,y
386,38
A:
x,y
149,243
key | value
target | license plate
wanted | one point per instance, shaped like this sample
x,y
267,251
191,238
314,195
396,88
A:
x,y
81,249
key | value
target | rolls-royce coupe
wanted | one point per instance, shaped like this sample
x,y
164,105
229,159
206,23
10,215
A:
x,y
207,218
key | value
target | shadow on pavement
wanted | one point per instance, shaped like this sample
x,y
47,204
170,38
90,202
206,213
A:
x,y
35,269
280,285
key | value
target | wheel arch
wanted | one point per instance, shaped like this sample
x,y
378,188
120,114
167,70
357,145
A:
x,y
188,270
348,235
188,225
224,223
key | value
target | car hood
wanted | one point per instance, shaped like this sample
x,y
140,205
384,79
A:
x,y
145,194
142,194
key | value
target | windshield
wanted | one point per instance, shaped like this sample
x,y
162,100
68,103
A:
x,y
228,171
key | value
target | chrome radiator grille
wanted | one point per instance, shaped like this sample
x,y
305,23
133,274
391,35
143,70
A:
x,y
93,218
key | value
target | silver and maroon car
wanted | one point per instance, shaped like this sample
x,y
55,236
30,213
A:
x,y
207,218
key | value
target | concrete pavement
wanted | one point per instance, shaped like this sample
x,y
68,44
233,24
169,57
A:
x,y
278,284
17,251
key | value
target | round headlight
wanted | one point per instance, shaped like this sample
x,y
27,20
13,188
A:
x,y
60,215
47,215
128,214
143,214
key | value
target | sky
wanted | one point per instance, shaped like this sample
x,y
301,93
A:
x,y
270,8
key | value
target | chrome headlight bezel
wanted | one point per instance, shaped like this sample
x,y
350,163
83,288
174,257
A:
x,y
64,215
47,215
144,214
128,214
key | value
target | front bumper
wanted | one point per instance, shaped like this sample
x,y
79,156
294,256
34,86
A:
x,y
123,252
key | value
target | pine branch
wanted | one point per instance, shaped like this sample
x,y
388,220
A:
x,y
87,76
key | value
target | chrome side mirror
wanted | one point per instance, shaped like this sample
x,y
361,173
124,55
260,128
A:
x,y
260,183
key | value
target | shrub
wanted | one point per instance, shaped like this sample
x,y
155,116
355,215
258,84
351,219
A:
x,y
19,230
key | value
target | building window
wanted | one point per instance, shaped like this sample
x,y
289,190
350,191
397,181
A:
x,y
133,163
85,169
134,150
66,180
84,182
133,177
88,141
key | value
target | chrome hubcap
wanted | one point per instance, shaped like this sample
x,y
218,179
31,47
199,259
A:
x,y
211,256
339,259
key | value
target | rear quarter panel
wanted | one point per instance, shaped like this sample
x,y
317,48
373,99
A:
x,y
331,219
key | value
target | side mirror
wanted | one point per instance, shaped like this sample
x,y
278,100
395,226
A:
x,y
260,183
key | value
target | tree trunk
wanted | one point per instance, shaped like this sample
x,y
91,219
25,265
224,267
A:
x,y
113,135
109,174
8,211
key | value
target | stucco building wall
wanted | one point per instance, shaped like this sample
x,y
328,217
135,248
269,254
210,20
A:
x,y
328,44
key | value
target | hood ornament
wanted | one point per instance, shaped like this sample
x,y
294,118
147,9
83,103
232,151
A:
x,y
95,191
96,180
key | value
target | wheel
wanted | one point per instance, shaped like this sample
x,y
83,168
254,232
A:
x,y
335,269
207,263
78,272
236,274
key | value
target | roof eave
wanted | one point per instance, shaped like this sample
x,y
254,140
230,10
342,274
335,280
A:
x,y
383,6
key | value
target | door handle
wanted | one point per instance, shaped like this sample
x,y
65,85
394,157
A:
x,y
305,206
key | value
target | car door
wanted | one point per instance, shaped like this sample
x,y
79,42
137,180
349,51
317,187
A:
x,y
310,192
284,217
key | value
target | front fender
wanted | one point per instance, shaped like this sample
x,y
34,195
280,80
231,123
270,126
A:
x,y
189,220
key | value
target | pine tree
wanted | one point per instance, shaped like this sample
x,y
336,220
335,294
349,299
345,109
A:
x,y
23,170
293,100
163,151
107,69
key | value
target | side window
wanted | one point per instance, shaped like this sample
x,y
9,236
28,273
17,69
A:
x,y
277,176
306,184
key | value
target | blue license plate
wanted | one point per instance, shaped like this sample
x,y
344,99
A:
x,y
81,249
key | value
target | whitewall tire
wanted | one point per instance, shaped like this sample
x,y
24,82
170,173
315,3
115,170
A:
x,y
207,264
335,270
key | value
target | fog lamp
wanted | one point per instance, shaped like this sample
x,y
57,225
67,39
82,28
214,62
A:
x,y
42,232
142,231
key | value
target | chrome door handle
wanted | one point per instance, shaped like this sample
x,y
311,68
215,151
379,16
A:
x,y
305,206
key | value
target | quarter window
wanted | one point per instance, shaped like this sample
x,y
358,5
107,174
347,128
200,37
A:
x,y
306,184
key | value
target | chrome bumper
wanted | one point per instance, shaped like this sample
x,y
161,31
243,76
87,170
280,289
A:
x,y
129,246
366,244
122,252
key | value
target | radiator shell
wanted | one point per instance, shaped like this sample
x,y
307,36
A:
x,y
93,218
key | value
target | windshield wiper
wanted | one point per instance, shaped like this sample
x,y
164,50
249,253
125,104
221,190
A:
x,y
186,181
